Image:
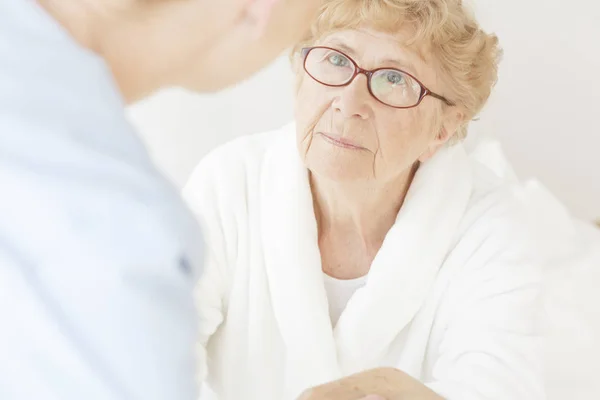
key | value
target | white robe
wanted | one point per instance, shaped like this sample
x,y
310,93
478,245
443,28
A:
x,y
452,297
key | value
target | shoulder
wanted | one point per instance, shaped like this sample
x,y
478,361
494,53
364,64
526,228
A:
x,y
224,189
498,239
521,214
230,172
503,207
76,196
497,207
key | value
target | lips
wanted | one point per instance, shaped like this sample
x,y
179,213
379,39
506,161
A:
x,y
340,141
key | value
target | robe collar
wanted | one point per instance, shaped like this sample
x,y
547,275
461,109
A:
x,y
400,277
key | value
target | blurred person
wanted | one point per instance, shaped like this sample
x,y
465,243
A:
x,y
364,241
98,254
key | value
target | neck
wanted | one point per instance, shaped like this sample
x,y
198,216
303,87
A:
x,y
366,210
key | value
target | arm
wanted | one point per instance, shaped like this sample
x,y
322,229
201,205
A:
x,y
491,346
201,195
73,332
95,293
109,318
209,299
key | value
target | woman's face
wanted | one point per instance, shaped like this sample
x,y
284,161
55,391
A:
x,y
345,134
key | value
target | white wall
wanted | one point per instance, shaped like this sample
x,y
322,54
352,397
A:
x,y
180,127
545,108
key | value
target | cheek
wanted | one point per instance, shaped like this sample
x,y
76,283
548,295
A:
x,y
404,136
312,102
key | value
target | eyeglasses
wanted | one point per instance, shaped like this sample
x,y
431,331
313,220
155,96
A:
x,y
390,86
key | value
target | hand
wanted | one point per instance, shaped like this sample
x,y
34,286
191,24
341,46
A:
x,y
375,384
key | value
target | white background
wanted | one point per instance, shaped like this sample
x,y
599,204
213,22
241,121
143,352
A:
x,y
545,109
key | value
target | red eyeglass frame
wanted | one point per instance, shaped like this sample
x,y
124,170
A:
x,y
369,73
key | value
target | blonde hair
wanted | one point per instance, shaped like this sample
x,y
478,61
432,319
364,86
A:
x,y
466,56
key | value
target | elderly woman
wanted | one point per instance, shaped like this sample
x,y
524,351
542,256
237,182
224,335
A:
x,y
364,235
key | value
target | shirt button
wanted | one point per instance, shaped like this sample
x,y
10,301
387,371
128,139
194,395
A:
x,y
184,266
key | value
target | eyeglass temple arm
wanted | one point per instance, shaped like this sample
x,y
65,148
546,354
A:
x,y
437,96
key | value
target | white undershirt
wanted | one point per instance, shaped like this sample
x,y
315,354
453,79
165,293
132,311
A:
x,y
339,292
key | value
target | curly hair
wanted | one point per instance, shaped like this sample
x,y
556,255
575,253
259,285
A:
x,y
467,57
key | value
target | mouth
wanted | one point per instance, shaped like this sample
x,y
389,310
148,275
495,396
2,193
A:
x,y
340,142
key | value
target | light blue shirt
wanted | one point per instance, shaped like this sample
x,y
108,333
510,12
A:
x,y
98,254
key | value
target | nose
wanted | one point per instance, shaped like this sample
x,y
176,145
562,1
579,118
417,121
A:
x,y
353,100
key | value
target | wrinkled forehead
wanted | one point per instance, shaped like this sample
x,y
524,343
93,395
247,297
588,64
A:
x,y
375,49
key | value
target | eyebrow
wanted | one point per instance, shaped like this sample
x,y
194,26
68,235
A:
x,y
403,65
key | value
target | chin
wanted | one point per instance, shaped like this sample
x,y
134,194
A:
x,y
337,164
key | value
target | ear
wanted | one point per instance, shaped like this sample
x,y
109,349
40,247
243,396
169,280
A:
x,y
258,13
452,119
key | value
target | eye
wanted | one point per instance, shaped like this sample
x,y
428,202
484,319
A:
x,y
396,78
338,60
